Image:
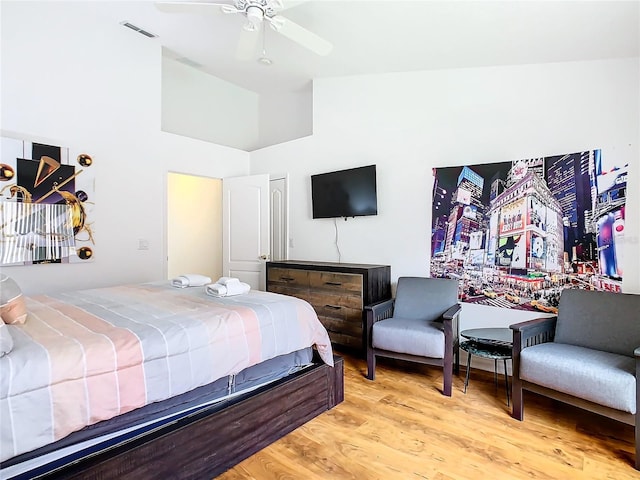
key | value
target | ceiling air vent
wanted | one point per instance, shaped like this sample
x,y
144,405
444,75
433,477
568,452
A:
x,y
138,29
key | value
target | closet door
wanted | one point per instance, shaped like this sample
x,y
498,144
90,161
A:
x,y
279,205
245,228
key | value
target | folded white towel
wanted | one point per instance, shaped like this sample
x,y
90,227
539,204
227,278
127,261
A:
x,y
228,280
190,280
239,288
216,290
231,289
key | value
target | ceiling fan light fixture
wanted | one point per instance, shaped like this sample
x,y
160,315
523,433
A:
x,y
255,16
266,61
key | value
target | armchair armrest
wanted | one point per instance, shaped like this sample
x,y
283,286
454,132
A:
x,y
533,332
527,334
636,354
374,313
453,312
378,311
451,325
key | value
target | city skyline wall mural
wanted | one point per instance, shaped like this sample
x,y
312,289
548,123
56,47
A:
x,y
46,204
515,234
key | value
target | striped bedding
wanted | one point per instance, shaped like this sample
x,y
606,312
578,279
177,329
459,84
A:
x,y
89,355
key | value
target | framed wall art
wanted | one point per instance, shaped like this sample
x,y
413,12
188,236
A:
x,y
516,233
46,204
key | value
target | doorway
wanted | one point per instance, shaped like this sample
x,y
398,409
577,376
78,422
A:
x,y
194,225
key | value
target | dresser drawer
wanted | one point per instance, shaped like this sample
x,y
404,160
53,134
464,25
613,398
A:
x,y
336,282
290,290
331,300
288,276
344,314
334,326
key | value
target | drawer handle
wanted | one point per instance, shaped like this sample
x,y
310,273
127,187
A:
x,y
287,279
334,307
335,284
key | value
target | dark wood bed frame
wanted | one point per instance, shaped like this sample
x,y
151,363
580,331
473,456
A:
x,y
208,444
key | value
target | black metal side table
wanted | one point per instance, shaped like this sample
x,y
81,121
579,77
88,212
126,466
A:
x,y
492,343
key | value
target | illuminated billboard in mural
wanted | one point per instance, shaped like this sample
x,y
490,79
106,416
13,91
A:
x,y
530,226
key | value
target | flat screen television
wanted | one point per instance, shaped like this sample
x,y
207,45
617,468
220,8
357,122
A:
x,y
345,193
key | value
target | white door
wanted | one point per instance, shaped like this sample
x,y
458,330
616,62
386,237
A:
x,y
279,218
245,228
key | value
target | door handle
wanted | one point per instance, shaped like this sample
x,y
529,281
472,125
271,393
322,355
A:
x,y
264,257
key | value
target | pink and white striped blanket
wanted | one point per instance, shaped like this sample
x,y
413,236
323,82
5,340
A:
x,y
89,355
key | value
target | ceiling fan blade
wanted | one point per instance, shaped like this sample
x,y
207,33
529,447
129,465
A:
x,y
301,35
196,7
247,44
276,4
287,4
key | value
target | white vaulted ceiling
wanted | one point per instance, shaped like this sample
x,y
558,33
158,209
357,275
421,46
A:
x,y
394,36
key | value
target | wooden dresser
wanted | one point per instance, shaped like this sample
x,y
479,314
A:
x,y
337,291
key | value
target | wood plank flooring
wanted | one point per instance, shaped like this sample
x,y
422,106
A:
x,y
401,427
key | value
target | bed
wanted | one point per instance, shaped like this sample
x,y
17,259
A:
x,y
153,381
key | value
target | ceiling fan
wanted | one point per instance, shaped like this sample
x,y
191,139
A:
x,y
257,13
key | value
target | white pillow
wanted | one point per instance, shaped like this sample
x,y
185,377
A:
x,y
6,340
12,305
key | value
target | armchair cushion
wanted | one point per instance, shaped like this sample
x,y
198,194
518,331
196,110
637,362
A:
x,y
424,298
601,377
585,319
405,335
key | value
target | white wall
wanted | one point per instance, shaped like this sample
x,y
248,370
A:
x,y
74,81
202,106
284,117
409,123
198,105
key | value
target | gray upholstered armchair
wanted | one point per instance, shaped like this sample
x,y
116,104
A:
x,y
420,325
587,356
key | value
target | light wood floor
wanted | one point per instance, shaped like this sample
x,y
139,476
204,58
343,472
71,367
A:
x,y
401,427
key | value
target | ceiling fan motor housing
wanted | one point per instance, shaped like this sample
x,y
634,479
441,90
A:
x,y
254,14
268,8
